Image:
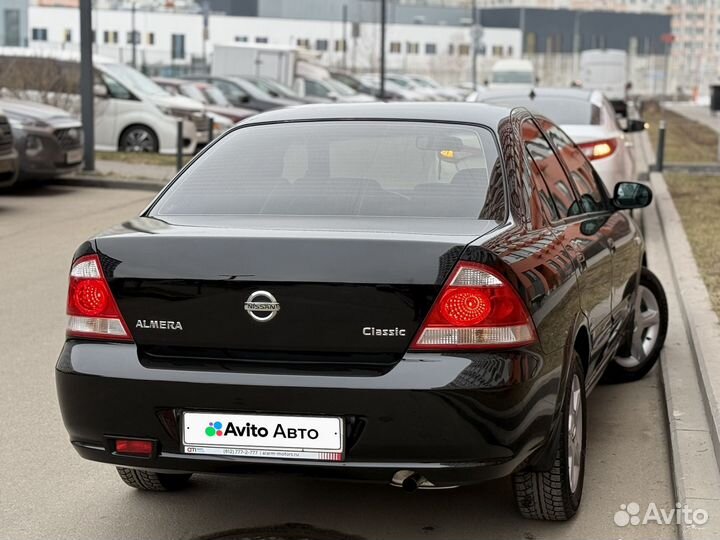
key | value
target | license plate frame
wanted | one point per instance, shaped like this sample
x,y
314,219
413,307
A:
x,y
74,156
284,436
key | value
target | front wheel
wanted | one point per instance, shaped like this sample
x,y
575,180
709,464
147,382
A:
x,y
153,481
138,139
555,495
646,333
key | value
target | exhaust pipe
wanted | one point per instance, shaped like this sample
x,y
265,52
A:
x,y
412,482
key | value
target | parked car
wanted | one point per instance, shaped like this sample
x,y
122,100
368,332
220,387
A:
x,y
211,97
278,90
356,83
393,91
447,93
132,113
329,90
8,155
49,141
588,118
512,74
422,92
417,294
242,93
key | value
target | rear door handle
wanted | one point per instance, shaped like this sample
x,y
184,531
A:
x,y
611,245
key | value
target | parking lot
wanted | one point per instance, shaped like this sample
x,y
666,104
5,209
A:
x,y
50,492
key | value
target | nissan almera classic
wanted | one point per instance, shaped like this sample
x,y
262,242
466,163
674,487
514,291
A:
x,y
416,294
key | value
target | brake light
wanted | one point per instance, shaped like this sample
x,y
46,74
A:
x,y
476,309
599,149
90,304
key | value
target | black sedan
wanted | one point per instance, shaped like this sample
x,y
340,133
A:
x,y
416,294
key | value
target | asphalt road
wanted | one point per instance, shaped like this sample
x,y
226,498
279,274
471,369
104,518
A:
x,y
47,491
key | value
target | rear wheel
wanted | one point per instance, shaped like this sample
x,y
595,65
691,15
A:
x,y
646,333
555,495
153,481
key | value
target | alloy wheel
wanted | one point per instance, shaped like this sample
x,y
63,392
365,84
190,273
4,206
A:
x,y
646,329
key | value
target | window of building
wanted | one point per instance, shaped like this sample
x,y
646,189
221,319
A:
x,y
412,48
321,44
430,48
39,34
531,42
133,37
12,28
464,49
302,42
241,39
110,36
67,35
340,45
510,50
395,47
451,49
497,50
261,40
151,38
177,46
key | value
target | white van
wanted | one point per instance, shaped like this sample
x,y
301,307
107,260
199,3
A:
x,y
132,113
606,70
512,74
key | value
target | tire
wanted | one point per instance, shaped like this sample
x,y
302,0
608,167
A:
x,y
153,481
645,335
555,495
138,138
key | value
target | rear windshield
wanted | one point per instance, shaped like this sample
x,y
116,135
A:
x,y
344,168
559,110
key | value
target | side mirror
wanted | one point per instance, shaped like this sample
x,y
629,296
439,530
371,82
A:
x,y
100,90
332,95
634,125
629,195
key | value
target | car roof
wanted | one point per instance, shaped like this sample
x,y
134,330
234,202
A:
x,y
468,113
170,80
566,93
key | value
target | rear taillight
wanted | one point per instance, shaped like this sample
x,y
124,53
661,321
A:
x,y
90,304
599,149
476,309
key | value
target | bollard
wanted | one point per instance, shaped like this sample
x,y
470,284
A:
x,y
210,129
660,147
179,144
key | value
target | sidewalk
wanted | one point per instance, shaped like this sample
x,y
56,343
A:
x,y
698,113
690,372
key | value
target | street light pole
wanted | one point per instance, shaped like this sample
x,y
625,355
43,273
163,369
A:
x,y
86,85
475,44
134,36
382,49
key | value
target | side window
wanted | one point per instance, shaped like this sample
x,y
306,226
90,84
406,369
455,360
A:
x,y
115,89
233,93
313,88
550,169
582,174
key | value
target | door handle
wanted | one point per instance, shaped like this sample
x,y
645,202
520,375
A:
x,y
611,245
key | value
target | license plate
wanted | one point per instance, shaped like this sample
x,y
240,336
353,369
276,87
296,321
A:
x,y
263,436
74,156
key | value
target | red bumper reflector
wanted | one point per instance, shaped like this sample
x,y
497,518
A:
x,y
134,447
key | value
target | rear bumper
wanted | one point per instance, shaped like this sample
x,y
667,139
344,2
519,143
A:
x,y
455,419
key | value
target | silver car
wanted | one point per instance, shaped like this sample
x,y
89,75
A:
x,y
48,140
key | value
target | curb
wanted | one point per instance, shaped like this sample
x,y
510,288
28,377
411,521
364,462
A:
x,y
109,183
